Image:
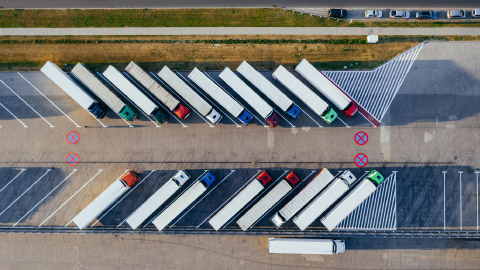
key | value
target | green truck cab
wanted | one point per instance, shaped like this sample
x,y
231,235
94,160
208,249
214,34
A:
x,y
375,177
128,113
329,116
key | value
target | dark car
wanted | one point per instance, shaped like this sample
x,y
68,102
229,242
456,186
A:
x,y
337,13
426,14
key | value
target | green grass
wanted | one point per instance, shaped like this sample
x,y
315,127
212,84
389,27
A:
x,y
253,17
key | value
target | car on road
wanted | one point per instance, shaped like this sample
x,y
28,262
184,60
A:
x,y
399,14
373,13
456,14
426,14
476,13
337,13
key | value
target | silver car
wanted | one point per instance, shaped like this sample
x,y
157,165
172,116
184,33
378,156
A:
x,y
399,14
456,14
373,13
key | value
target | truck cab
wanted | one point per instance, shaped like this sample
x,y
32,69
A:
x,y
348,177
98,110
292,178
293,111
273,120
329,116
375,177
351,110
264,178
208,179
180,177
214,116
181,111
130,178
159,116
245,117
128,113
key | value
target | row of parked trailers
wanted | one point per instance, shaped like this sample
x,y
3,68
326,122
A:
x,y
326,197
129,85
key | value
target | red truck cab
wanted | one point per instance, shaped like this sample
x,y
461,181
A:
x,y
181,111
264,178
130,178
351,110
292,178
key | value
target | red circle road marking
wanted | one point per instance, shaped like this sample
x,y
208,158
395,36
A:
x,y
361,160
361,137
73,137
73,159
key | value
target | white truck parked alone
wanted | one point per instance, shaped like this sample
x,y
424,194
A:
x,y
105,199
157,199
195,100
305,246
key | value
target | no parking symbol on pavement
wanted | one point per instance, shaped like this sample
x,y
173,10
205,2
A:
x,y
73,137
73,159
361,160
361,137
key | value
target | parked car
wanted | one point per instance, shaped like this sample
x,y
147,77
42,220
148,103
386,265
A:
x,y
426,14
456,14
399,14
337,13
476,13
373,13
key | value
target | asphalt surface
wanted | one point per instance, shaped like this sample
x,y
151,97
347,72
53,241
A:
x,y
230,3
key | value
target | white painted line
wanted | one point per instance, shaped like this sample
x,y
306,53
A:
x,y
191,184
264,124
461,212
256,197
18,221
153,98
292,125
26,103
63,204
23,193
308,115
476,174
25,126
123,197
120,92
225,202
444,207
338,117
76,125
16,176
353,219
209,100
231,171
182,99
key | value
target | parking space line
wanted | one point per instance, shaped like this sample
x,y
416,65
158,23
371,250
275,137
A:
x,y
120,92
221,87
23,193
209,100
308,115
25,126
18,221
256,197
71,197
476,174
16,176
268,211
198,201
461,212
123,197
444,203
153,98
362,211
292,125
225,202
26,103
178,96
191,184
48,100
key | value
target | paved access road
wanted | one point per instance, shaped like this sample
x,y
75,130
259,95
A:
x,y
233,3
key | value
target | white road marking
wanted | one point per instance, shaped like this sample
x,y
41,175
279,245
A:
x,y
25,126
476,174
49,100
23,193
461,212
9,88
308,115
123,197
444,203
225,202
198,201
292,125
16,176
63,204
18,221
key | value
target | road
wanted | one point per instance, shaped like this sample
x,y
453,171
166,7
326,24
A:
x,y
232,3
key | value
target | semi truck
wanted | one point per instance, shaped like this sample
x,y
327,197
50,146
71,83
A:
x,y
71,88
225,100
183,201
305,94
252,98
134,94
103,93
196,101
352,200
268,89
240,200
105,199
157,199
268,201
324,200
305,246
328,88
317,184
157,90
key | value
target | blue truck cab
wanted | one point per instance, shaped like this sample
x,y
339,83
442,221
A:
x,y
293,111
98,110
245,117
208,179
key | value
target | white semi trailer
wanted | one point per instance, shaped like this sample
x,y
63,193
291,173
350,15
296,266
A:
x,y
102,92
157,199
268,89
305,94
195,100
352,200
71,88
252,98
105,199
305,246
328,88
225,100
